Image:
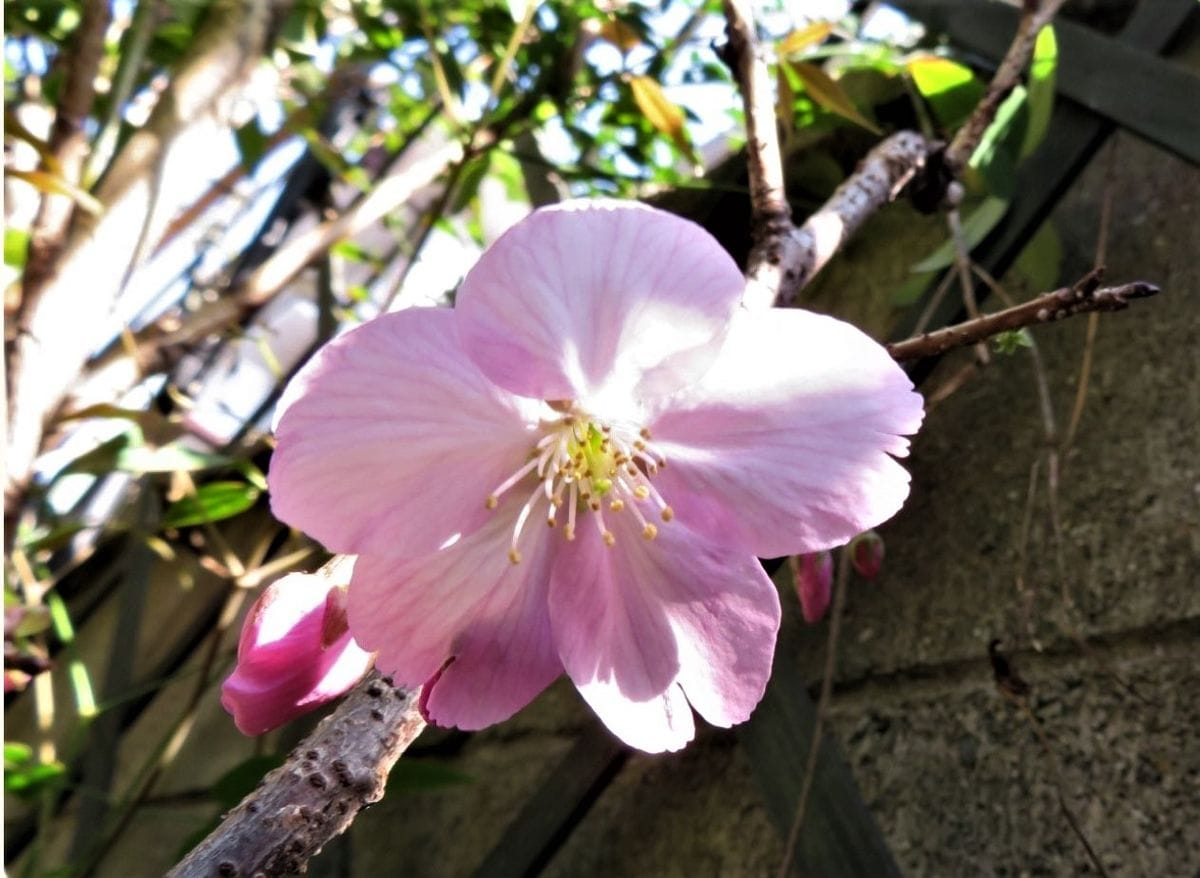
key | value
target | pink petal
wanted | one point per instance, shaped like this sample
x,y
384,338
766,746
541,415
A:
x,y
638,621
287,664
468,603
590,299
813,577
785,446
390,440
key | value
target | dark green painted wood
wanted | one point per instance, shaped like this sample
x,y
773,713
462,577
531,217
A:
x,y
556,808
840,838
1116,78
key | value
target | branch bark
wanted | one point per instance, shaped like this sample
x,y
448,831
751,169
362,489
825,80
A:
x,y
334,773
64,321
1080,298
69,145
784,258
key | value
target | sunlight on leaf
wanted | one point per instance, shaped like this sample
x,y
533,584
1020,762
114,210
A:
x,y
950,88
215,501
1043,73
823,89
801,39
53,184
660,112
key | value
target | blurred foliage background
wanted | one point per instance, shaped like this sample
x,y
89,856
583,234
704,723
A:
x,y
197,195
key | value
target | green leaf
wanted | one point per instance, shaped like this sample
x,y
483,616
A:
x,y
994,160
26,777
468,182
1043,72
1040,263
44,181
16,247
950,88
251,143
823,89
1012,340
16,755
800,39
975,228
661,113
215,501
170,458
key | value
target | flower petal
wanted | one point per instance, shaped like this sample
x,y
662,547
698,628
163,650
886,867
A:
x,y
390,440
285,666
784,446
584,297
468,603
637,621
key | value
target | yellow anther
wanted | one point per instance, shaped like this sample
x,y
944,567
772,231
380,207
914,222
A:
x,y
492,502
644,433
667,513
569,532
594,505
649,531
609,539
514,556
550,522
617,504
641,492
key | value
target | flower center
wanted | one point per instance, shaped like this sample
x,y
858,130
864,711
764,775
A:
x,y
582,465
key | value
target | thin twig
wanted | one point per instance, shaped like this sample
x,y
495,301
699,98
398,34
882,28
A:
x,y
1093,324
810,768
1047,308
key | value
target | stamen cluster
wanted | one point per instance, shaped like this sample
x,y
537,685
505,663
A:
x,y
582,464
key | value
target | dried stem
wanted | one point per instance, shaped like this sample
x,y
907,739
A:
x,y
1081,298
810,768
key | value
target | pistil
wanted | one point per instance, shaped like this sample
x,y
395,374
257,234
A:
x,y
585,465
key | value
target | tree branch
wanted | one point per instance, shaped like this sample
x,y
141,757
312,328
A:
x,y
69,145
1080,298
1035,15
334,773
784,258
66,320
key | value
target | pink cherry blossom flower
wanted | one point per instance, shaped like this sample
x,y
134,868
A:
x,y
576,467
295,654
812,575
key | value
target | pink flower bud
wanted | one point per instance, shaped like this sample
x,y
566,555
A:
x,y
866,554
295,654
813,577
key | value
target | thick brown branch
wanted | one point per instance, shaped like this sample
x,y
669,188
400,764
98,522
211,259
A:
x,y
313,797
1062,303
799,254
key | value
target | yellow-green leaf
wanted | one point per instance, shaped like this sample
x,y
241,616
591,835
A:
x,y
620,34
660,112
56,185
951,89
823,89
801,39
1042,75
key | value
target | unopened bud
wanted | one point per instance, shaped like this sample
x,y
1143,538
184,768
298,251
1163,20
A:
x,y
812,576
866,554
